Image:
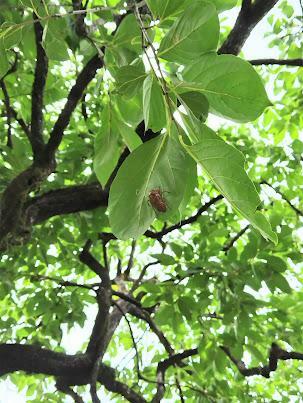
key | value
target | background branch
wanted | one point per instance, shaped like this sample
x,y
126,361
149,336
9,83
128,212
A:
x,y
41,69
190,220
162,368
286,62
275,354
74,96
284,197
248,18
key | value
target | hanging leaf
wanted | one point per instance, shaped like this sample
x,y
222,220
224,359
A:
x,y
233,88
197,103
160,163
130,109
130,137
153,104
130,80
106,146
223,5
4,64
164,8
224,165
194,33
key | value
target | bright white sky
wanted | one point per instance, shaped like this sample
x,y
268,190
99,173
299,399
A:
x,y
255,48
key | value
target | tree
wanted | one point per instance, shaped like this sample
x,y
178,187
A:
x,y
118,197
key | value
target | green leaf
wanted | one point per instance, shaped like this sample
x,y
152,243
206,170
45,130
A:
x,y
128,35
106,146
54,43
130,137
160,163
197,103
223,5
164,8
129,80
233,88
186,305
4,64
196,32
276,280
276,263
130,109
10,34
164,258
224,165
153,105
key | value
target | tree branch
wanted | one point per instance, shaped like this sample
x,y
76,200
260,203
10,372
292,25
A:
x,y
295,209
144,315
190,220
131,259
286,62
67,200
21,122
233,240
7,105
74,96
70,392
41,69
96,344
80,17
75,369
275,354
162,368
248,18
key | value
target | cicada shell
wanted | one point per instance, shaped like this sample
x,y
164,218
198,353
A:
x,y
157,200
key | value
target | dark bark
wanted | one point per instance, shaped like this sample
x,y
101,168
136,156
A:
x,y
285,62
162,368
68,200
9,142
75,369
275,354
41,69
74,96
97,343
249,16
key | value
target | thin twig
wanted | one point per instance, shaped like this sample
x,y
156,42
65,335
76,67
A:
x,y
70,392
131,259
133,340
296,210
285,62
233,240
7,105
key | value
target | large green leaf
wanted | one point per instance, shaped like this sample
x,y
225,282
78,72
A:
x,y
153,104
128,35
130,109
4,64
197,103
224,165
223,5
233,88
194,33
106,146
160,163
130,137
129,80
164,8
